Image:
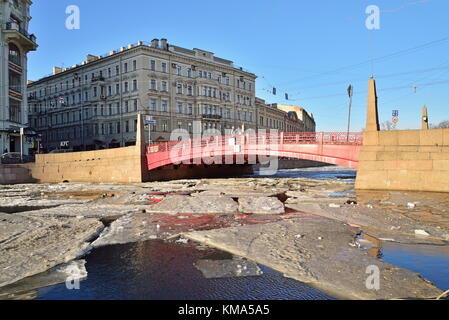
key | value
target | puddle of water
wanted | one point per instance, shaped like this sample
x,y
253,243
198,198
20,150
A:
x,y
164,271
432,262
342,194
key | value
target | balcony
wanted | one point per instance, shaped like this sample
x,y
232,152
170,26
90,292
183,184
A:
x,y
99,79
13,30
32,98
212,116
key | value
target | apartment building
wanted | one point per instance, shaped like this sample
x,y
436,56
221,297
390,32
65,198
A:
x,y
270,116
15,43
305,117
94,105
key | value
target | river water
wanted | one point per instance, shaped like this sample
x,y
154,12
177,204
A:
x,y
158,270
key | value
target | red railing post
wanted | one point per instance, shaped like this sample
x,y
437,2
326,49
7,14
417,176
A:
x,y
321,142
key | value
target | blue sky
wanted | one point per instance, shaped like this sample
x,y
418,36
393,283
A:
x,y
311,50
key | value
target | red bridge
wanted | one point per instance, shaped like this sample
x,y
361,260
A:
x,y
334,148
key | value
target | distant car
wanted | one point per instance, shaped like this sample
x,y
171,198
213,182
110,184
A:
x,y
14,158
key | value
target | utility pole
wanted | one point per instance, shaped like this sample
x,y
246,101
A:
x,y
350,93
122,138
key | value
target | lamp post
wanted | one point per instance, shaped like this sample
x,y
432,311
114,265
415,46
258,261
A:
x,y
350,93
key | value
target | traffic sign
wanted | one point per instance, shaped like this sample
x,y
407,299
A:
x,y
396,113
150,122
395,120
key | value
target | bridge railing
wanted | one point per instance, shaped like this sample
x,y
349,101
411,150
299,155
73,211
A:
x,y
321,138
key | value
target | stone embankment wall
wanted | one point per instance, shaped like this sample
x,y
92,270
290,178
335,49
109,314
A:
x,y
15,174
405,160
112,165
121,165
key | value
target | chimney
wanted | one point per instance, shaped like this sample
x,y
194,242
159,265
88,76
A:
x,y
164,45
155,43
56,70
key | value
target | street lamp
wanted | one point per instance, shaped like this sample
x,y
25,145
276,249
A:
x,y
350,94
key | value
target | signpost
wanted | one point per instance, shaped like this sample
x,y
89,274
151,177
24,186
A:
x,y
149,122
395,117
22,132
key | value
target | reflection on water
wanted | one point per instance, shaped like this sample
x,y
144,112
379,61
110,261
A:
x,y
157,270
432,262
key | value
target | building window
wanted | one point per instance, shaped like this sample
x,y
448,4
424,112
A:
x,y
178,70
164,86
153,84
134,85
126,67
190,109
15,81
15,114
179,107
189,73
134,65
164,67
179,88
153,65
164,106
14,54
165,126
153,106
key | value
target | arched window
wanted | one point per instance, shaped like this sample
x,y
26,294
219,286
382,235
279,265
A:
x,y
14,54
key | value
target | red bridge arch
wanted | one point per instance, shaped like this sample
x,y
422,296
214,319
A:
x,y
329,147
